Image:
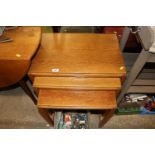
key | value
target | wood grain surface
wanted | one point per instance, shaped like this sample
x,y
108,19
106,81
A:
x,y
15,57
77,83
11,71
87,55
25,42
74,99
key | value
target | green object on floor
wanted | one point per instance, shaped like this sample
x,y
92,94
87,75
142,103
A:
x,y
127,111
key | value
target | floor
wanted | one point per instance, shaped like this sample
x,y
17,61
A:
x,y
17,111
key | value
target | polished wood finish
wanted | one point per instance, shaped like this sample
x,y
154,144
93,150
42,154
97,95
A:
x,y
15,56
86,55
78,71
25,42
12,71
74,99
77,83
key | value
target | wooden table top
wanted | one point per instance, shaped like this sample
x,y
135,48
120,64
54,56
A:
x,y
24,44
69,54
77,83
74,99
15,56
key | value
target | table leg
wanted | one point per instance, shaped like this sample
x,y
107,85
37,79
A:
x,y
106,117
27,90
45,114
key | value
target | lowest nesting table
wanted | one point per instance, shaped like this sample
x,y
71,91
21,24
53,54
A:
x,y
77,71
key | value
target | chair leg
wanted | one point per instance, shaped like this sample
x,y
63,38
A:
x,y
138,65
106,117
27,90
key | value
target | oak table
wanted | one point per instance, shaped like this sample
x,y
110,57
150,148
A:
x,y
16,56
78,71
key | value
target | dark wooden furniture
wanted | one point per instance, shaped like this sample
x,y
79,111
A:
x,y
15,56
132,45
78,71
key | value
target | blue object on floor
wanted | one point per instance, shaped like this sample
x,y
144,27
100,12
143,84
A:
x,y
145,111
